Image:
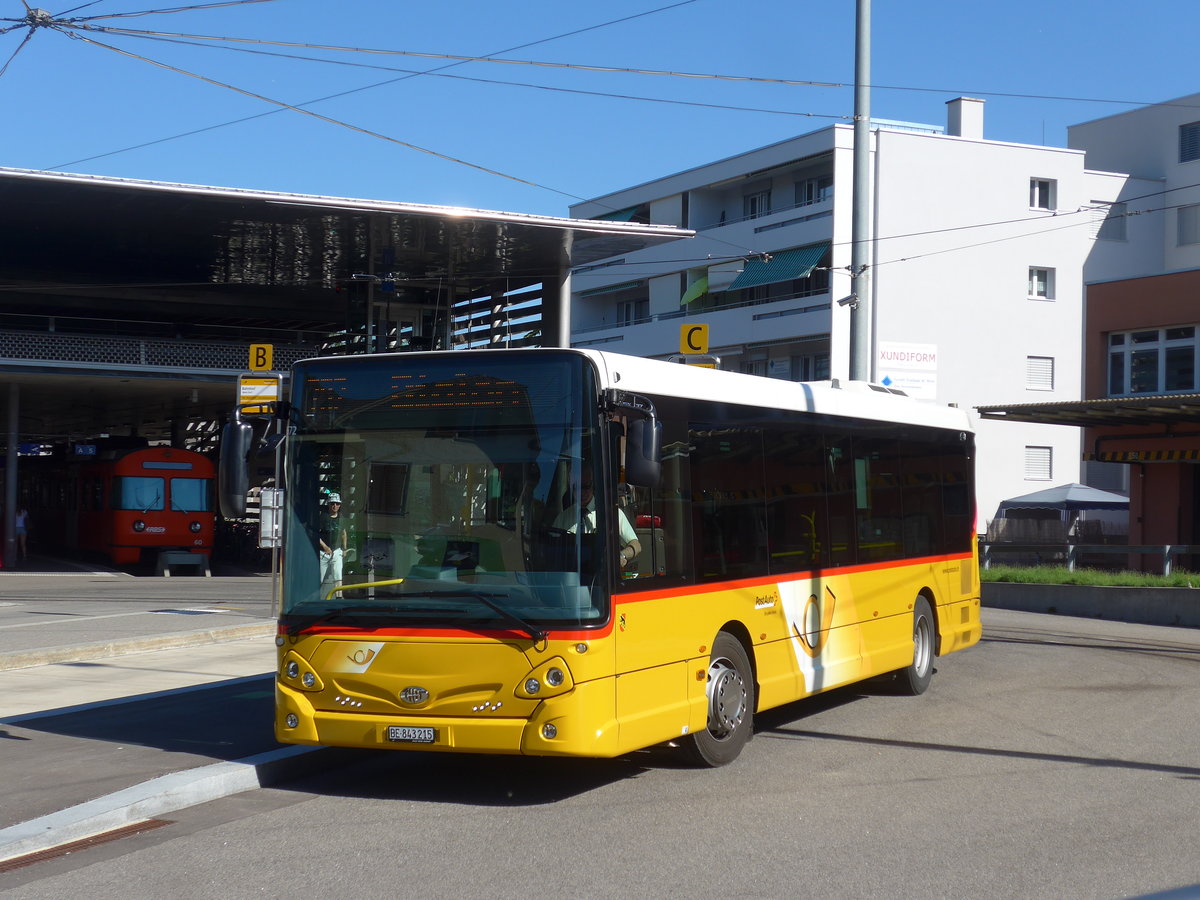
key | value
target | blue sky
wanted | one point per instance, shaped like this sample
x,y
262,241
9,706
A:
x,y
71,105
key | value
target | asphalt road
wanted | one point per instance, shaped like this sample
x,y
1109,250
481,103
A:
x,y
1057,759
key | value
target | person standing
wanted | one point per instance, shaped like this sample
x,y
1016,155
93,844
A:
x,y
331,540
22,528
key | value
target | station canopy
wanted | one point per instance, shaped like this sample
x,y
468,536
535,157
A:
x,y
123,302
1157,409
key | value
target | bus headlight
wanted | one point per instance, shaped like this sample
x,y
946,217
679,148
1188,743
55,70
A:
x,y
194,527
139,526
550,679
297,673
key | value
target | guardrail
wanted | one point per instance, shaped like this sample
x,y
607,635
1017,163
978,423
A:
x,y
1070,553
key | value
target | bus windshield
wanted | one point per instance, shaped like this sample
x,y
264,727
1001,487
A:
x,y
442,491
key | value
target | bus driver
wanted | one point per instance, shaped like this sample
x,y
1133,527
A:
x,y
570,519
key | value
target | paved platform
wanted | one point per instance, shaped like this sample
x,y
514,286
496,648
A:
x,y
124,698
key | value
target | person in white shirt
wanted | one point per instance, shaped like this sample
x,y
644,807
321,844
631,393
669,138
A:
x,y
570,520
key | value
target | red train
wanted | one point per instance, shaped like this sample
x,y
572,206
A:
x,y
128,505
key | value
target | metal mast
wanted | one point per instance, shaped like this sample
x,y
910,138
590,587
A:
x,y
860,299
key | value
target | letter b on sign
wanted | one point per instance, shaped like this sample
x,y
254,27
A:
x,y
260,357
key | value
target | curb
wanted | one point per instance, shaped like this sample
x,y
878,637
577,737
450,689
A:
x,y
165,794
43,656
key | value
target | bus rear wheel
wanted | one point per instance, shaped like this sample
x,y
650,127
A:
x,y
915,679
730,693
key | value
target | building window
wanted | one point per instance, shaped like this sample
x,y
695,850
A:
x,y
1041,283
813,367
1109,220
633,312
1039,463
1188,220
1039,373
814,190
756,204
1152,361
1189,142
1041,193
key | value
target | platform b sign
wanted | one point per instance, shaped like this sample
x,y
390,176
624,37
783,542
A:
x,y
261,357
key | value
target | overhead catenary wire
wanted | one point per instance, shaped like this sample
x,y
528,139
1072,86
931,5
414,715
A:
x,y
588,67
20,47
542,87
154,12
300,107
327,119
459,60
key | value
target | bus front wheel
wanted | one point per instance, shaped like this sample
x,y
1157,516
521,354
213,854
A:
x,y
730,694
915,679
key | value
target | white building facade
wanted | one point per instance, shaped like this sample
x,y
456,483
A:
x,y
975,280
1159,146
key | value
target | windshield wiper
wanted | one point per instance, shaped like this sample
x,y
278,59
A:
x,y
489,600
331,614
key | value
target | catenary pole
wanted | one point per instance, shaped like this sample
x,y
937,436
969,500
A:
x,y
860,298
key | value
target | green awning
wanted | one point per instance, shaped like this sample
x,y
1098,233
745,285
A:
x,y
785,265
620,215
696,290
611,289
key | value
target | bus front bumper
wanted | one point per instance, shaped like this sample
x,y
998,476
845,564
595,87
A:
x,y
581,723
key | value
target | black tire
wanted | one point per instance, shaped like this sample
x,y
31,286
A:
x,y
730,705
915,679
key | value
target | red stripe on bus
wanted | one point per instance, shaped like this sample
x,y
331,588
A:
x,y
618,600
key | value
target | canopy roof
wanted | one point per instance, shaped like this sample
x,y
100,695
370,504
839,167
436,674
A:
x,y
1156,409
1067,496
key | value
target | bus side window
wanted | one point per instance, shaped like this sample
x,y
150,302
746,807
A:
x,y
797,526
728,504
839,487
920,468
877,498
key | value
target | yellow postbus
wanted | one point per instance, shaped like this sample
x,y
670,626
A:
x,y
575,553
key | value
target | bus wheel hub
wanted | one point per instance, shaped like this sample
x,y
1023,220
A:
x,y
726,698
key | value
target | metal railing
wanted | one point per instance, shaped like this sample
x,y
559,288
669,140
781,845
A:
x,y
1069,554
684,312
721,223
142,352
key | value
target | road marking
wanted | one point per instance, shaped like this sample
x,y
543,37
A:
x,y
147,612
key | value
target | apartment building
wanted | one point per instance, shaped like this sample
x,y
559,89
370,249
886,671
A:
x,y
975,280
1142,320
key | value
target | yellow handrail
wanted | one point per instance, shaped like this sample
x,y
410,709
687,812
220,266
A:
x,y
364,584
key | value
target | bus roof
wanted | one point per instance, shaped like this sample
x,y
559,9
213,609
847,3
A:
x,y
636,374
835,398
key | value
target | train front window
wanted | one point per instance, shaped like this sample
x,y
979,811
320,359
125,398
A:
x,y
138,492
189,495
432,492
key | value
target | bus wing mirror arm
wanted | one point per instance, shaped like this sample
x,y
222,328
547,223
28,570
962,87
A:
x,y
643,443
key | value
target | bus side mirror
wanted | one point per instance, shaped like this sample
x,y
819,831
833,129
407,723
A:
x,y
233,471
643,445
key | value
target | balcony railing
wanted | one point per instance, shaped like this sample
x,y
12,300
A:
x,y
684,312
764,215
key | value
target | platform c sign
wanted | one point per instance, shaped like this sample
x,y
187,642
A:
x,y
693,338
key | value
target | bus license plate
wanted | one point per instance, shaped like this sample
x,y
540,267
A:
x,y
407,735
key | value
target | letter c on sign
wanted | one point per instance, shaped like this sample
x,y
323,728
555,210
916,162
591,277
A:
x,y
693,338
